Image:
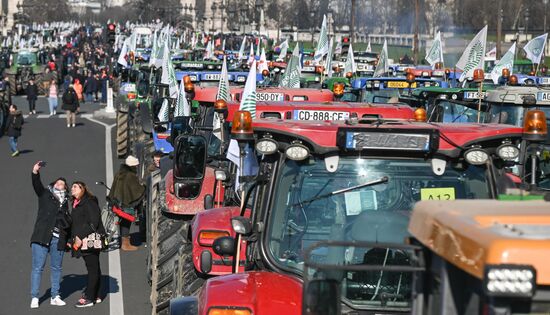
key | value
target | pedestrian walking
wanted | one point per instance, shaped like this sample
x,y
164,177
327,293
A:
x,y
78,89
89,87
14,125
127,189
52,97
86,219
50,233
32,96
70,105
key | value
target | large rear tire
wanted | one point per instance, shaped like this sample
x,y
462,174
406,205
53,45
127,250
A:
x,y
13,84
187,280
166,239
122,134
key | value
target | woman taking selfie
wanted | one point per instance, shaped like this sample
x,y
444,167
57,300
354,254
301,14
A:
x,y
86,217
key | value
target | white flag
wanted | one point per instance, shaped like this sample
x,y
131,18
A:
x,y
284,49
382,67
328,63
262,64
369,48
164,112
154,51
322,45
168,75
507,61
223,94
291,77
338,49
350,66
473,56
251,56
182,105
535,48
241,50
248,98
435,53
122,57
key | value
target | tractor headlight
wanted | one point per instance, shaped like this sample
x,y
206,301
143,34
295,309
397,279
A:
x,y
266,146
476,156
297,152
508,152
221,175
510,280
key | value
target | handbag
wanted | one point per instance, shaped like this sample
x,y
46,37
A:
x,y
95,240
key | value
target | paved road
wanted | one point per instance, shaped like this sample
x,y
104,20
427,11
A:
x,y
77,154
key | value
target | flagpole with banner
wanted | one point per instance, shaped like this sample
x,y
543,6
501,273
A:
x,y
473,56
534,50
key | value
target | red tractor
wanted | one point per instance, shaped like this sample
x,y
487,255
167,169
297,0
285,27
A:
x,y
338,181
177,196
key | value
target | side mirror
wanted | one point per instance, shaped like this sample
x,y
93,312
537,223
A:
x,y
224,246
208,202
321,297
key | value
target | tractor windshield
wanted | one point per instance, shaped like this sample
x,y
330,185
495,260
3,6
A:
x,y
380,96
377,198
449,111
26,59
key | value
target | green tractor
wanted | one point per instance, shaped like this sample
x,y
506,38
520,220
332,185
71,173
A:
x,y
25,66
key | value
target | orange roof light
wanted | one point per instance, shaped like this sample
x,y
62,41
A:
x,y
532,73
131,95
319,69
189,87
410,77
229,311
220,106
265,73
241,128
447,71
479,75
420,114
186,79
534,126
506,73
338,89
349,75
438,65
513,80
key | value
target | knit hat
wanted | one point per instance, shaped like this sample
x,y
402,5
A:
x,y
132,161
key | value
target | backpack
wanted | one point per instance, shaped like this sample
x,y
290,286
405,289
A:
x,y
68,97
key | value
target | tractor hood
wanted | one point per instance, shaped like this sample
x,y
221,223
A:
x,y
261,292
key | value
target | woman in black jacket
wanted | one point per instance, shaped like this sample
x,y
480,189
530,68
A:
x,y
32,96
49,234
13,129
86,217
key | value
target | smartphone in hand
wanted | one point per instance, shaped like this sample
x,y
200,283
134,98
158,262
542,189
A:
x,y
42,163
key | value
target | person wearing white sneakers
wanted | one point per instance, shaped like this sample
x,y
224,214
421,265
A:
x,y
50,233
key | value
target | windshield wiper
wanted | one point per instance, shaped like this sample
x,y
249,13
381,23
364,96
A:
x,y
381,180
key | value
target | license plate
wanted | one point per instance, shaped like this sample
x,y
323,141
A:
x,y
308,69
319,115
543,96
400,85
473,95
211,77
270,97
130,87
192,65
545,81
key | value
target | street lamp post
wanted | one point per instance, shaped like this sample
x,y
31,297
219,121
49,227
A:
x,y
312,21
259,6
526,20
214,8
545,2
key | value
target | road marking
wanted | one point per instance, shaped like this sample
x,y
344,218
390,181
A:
x,y
46,116
116,299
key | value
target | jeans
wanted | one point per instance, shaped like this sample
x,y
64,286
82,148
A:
x,y
88,97
94,275
52,101
32,105
13,143
39,255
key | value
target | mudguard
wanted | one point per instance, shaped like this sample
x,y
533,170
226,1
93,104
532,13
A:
x,y
175,205
261,292
218,219
146,118
185,305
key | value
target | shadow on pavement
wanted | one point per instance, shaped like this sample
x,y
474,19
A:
x,y
77,283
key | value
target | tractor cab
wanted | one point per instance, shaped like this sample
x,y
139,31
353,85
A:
x,y
387,89
450,105
335,181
